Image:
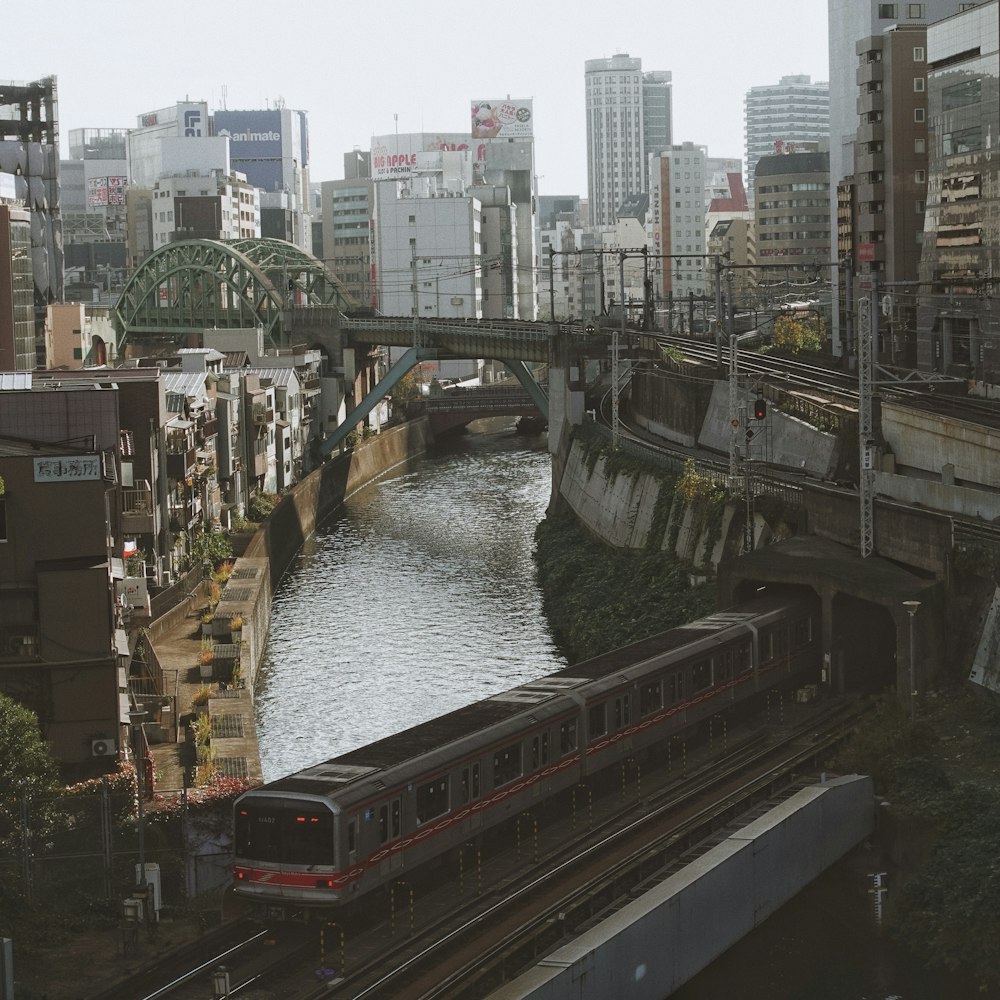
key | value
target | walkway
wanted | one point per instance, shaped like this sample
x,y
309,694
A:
x,y
234,740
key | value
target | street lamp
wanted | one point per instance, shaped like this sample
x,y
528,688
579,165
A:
x,y
911,610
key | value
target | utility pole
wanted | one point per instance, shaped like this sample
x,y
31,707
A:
x,y
616,342
734,420
718,311
867,332
416,294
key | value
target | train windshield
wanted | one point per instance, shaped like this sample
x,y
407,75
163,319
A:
x,y
290,835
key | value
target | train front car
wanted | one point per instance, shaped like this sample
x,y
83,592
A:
x,y
286,849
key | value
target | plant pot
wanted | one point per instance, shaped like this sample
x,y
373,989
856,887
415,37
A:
x,y
207,671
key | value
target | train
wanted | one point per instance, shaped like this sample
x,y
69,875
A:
x,y
338,830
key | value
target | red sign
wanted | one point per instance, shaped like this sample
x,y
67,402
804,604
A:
x,y
866,251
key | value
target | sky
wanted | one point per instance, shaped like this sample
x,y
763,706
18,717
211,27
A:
x,y
372,68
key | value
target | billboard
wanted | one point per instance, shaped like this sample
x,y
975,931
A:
x,y
394,157
251,133
103,191
503,119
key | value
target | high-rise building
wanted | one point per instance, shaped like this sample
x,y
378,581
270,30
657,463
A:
x,y
851,21
958,329
785,113
619,99
29,154
889,185
348,210
677,217
271,147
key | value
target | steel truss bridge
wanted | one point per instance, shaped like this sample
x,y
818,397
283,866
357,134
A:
x,y
190,286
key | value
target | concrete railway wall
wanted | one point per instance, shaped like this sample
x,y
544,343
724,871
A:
x,y
656,943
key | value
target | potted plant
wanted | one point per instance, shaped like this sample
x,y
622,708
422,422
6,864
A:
x,y
206,622
206,663
236,627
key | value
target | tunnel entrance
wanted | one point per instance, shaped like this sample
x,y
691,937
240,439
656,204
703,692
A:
x,y
863,646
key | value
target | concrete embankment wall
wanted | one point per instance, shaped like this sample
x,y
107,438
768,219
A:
x,y
659,941
619,508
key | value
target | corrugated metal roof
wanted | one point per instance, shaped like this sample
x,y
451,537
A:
x,y
278,376
191,384
15,380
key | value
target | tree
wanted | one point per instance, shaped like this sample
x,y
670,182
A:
x,y
27,767
798,333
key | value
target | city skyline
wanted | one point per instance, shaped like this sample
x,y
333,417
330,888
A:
x,y
529,52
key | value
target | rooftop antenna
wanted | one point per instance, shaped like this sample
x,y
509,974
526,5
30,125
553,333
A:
x,y
225,93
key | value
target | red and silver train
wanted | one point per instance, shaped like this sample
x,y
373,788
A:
x,y
337,830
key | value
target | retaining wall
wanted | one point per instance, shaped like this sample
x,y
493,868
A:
x,y
659,941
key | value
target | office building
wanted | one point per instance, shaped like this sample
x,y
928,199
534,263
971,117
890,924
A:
x,y
851,21
958,326
271,148
29,156
619,99
677,221
792,216
781,115
347,213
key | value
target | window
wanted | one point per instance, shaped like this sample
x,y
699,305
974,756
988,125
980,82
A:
x,y
432,799
650,698
920,176
919,84
919,114
597,721
920,206
701,675
623,711
675,687
567,737
918,53
886,10
470,783
506,765
915,10
919,145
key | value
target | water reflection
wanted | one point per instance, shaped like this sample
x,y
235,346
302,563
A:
x,y
419,597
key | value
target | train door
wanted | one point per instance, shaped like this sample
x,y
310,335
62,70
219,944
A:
x,y
539,758
623,717
389,831
469,793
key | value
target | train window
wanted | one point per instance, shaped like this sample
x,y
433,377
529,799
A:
x,y
597,721
650,698
383,824
567,737
623,711
742,661
506,765
291,835
701,675
766,647
352,841
545,748
432,799
675,687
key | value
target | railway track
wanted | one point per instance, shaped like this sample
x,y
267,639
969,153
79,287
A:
x,y
458,937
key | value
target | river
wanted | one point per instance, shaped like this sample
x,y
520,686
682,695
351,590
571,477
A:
x,y
419,597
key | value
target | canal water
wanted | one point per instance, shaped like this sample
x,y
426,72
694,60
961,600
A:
x,y
419,597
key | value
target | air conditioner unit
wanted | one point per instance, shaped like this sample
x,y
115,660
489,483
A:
x,y
102,748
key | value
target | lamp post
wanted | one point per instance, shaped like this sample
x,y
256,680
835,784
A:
x,y
135,719
911,610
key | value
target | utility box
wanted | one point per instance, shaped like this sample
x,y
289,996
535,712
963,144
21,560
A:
x,y
152,886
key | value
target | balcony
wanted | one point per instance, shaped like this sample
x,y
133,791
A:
x,y
310,384
871,102
262,415
870,72
207,430
180,463
19,642
137,511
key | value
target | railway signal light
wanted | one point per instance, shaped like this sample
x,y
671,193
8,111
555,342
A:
x,y
759,409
